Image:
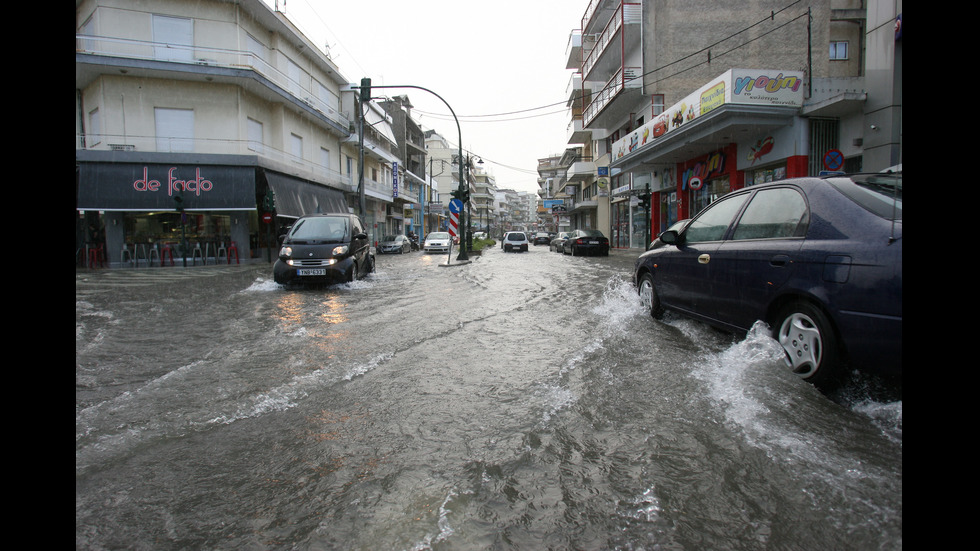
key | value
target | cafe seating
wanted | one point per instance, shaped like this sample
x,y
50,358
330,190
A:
x,y
167,251
197,252
126,253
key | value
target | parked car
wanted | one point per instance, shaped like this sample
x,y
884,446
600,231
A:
x,y
581,242
324,248
395,244
558,243
676,226
514,241
818,259
437,242
542,238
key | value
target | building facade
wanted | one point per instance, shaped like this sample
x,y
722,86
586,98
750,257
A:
x,y
207,127
679,103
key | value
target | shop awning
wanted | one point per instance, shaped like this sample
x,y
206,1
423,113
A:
x,y
295,197
113,186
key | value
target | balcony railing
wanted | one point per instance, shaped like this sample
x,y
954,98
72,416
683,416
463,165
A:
x,y
208,57
626,77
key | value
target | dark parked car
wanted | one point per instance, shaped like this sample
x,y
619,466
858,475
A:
x,y
324,248
395,244
581,242
542,238
818,259
558,243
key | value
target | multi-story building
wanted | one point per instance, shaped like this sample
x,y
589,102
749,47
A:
x,y
484,190
679,103
227,106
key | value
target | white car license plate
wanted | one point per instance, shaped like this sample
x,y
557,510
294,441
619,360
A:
x,y
593,242
312,271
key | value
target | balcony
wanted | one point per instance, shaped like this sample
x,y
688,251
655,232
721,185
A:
x,y
573,52
97,55
622,36
615,100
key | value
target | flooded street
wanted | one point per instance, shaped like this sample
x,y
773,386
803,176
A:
x,y
522,401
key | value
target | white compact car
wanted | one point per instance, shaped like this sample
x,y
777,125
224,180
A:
x,y
437,242
514,241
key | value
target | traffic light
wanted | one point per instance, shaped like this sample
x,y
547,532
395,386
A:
x,y
269,203
179,201
365,89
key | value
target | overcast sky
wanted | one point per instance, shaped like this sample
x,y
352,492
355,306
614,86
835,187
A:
x,y
500,65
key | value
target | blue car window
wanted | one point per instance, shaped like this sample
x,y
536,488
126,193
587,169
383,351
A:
x,y
714,220
772,214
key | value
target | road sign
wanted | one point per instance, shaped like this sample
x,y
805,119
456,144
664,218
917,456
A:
x,y
453,223
455,206
833,159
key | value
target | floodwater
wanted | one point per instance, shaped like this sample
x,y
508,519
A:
x,y
521,401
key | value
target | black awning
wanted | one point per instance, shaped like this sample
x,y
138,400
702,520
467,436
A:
x,y
295,197
151,187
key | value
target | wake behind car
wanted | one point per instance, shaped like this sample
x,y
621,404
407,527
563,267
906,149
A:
x,y
514,241
437,242
581,242
324,248
818,259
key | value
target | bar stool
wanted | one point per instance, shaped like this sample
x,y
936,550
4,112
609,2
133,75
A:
x,y
125,252
197,252
154,251
96,256
222,251
233,249
137,249
167,250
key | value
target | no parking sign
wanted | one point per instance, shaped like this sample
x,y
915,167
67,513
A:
x,y
833,160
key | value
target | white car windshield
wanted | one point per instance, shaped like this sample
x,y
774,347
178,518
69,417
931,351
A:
x,y
438,235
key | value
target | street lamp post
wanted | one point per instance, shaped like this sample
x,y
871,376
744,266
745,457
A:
x,y
365,90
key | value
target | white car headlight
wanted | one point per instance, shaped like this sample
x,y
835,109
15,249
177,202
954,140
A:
x,y
340,250
286,251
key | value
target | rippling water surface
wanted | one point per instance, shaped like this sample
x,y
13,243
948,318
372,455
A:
x,y
522,401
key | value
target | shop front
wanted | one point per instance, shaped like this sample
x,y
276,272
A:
x,y
740,128
154,209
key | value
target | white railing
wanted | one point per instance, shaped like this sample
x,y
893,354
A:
x,y
626,77
207,57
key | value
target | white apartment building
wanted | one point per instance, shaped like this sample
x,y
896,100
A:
x,y
227,102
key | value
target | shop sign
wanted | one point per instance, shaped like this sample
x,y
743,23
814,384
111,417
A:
x,y
735,86
147,187
713,165
394,179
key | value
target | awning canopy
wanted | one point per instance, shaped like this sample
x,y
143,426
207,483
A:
x,y
295,197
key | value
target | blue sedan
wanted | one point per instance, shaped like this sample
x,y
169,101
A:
x,y
818,259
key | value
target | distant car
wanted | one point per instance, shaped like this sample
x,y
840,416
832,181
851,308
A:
x,y
818,259
395,244
581,242
514,241
437,242
558,243
676,227
480,235
324,248
542,238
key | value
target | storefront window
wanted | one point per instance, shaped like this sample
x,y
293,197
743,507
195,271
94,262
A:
x,y
165,227
709,193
